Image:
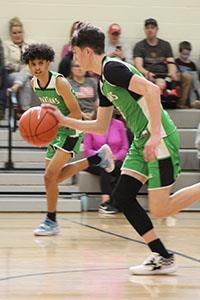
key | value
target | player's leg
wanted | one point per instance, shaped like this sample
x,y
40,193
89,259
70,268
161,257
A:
x,y
102,158
53,167
164,172
162,204
134,175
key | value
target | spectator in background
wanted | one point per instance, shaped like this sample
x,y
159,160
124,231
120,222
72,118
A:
x,y
2,82
67,47
116,138
67,54
18,74
85,89
114,47
153,57
186,66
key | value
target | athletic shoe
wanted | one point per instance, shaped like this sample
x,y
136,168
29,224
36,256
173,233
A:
x,y
107,161
47,228
155,264
107,208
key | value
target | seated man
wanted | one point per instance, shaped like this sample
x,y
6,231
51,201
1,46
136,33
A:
x,y
153,57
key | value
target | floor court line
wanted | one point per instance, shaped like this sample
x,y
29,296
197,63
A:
x,y
128,238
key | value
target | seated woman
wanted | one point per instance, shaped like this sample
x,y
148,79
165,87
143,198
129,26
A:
x,y
18,74
86,90
116,138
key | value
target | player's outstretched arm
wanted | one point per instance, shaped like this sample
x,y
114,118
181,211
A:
x,y
99,126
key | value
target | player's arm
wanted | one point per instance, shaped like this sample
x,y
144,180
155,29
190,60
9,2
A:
x,y
99,126
151,92
64,90
120,75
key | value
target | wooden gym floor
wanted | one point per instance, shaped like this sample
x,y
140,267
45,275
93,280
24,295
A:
x,y
90,259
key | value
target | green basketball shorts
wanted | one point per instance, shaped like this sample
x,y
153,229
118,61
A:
x,y
65,142
163,171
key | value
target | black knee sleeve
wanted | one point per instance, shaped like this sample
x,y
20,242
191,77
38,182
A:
x,y
125,197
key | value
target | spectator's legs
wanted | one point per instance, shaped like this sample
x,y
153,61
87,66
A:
x,y
195,91
186,80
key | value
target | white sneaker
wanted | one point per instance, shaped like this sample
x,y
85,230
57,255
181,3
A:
x,y
107,161
155,264
47,228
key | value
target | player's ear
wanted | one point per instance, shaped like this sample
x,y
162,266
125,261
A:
x,y
89,51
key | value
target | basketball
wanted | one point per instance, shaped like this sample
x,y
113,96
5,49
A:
x,y
38,127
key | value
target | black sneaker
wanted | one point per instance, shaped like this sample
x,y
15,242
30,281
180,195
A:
x,y
107,208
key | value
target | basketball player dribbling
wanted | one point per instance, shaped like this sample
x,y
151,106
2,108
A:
x,y
54,89
154,154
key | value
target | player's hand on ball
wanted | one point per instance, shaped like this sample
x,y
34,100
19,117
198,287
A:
x,y
54,111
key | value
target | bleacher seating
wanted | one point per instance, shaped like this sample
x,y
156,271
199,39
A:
x,y
21,183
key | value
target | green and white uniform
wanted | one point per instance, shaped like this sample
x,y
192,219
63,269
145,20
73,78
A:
x,y
67,139
113,90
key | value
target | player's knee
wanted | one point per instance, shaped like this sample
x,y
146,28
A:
x,y
49,177
126,191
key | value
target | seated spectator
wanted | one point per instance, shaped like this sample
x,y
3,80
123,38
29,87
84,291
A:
x,y
2,83
153,57
114,47
85,89
67,54
116,138
18,74
67,47
186,66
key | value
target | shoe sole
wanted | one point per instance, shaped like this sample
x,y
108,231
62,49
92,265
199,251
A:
x,y
108,157
156,272
107,212
46,233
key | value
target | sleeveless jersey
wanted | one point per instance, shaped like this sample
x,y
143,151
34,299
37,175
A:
x,y
50,95
133,107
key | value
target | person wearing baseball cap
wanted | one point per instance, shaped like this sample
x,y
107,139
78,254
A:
x,y
113,46
153,57
114,29
151,22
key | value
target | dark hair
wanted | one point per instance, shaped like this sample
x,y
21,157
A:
x,y
38,51
89,36
185,46
73,28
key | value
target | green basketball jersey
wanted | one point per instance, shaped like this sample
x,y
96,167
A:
x,y
133,107
50,95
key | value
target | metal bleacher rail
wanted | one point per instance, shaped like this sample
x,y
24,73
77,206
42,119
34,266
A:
x,y
11,127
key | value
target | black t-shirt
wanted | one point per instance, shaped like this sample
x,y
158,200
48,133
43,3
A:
x,y
185,66
115,73
154,57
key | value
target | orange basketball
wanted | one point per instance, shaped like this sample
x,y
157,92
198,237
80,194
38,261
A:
x,y
37,126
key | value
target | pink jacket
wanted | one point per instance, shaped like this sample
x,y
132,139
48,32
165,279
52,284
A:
x,y
116,138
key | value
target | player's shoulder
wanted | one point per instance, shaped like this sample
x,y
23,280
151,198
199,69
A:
x,y
114,63
61,81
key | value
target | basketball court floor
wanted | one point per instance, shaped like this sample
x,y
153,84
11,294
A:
x,y
89,260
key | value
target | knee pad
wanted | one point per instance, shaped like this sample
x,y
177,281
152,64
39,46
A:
x,y
126,190
125,198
